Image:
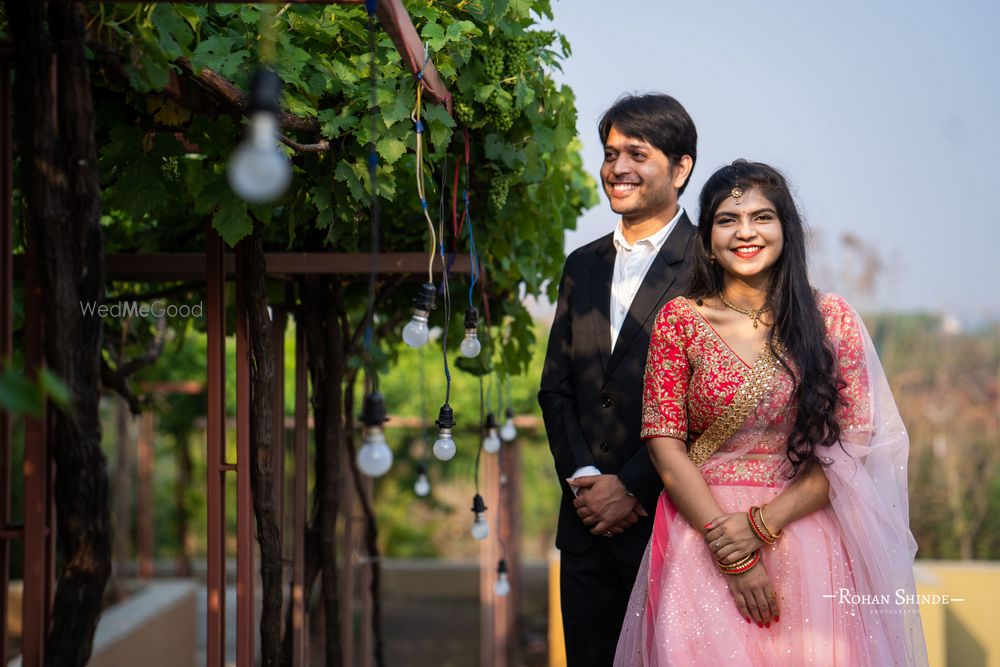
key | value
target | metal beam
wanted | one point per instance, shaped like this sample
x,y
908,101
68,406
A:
x,y
216,436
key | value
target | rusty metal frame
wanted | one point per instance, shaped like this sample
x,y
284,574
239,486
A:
x,y
8,532
215,265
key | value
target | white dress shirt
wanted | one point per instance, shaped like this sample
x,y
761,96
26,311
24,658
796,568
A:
x,y
632,262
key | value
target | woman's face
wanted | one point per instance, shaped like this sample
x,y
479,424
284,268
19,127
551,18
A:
x,y
746,236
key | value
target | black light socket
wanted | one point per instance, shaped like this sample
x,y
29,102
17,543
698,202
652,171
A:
x,y
373,413
502,566
446,417
425,297
265,91
478,504
471,318
491,421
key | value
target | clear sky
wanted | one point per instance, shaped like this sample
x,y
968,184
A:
x,y
883,114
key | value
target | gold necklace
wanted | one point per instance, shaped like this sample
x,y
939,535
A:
x,y
752,313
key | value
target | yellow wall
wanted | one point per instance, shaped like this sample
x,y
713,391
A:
x,y
962,633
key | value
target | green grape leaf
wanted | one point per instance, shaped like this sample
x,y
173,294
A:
x,y
232,220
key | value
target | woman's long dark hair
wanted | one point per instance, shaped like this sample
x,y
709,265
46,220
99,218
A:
x,y
798,325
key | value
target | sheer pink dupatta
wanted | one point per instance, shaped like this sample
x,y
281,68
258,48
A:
x,y
868,482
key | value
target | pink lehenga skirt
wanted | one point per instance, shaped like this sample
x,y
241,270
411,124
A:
x,y
682,613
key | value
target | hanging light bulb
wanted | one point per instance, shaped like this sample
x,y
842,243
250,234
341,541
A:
x,y
480,529
375,457
491,443
258,171
471,347
416,333
444,446
422,487
502,587
509,432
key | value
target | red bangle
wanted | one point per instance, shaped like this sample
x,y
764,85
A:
x,y
740,569
761,535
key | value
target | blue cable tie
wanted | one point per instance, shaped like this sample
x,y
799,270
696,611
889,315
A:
x,y
372,160
419,126
371,5
423,203
420,75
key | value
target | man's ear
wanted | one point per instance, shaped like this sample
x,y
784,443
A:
x,y
681,170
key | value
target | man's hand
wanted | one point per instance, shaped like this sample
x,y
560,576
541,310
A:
x,y
603,504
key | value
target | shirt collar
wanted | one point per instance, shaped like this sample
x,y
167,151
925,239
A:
x,y
656,240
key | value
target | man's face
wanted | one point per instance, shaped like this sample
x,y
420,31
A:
x,y
637,178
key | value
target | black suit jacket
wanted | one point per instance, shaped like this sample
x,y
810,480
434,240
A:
x,y
591,395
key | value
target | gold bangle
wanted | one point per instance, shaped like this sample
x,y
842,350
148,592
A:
x,y
738,564
760,513
744,564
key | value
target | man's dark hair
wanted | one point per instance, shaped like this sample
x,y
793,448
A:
x,y
655,118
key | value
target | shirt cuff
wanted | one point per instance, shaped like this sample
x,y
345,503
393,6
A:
x,y
585,471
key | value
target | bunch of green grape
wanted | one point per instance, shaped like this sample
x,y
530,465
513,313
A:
x,y
499,187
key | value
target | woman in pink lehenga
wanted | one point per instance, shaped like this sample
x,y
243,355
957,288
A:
x,y
782,535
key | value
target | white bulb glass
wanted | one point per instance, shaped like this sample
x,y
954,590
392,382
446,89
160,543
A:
x,y
258,171
375,457
491,443
508,432
502,587
422,487
470,347
416,333
480,529
444,447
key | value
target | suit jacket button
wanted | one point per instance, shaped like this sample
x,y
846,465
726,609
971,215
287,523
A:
x,y
605,447
606,401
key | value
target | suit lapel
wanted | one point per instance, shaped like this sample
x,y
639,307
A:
x,y
600,299
662,274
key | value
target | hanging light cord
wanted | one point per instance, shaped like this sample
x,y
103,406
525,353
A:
x,y
370,373
482,432
467,219
445,288
419,126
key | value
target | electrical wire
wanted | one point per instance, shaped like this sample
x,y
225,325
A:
x,y
370,373
419,127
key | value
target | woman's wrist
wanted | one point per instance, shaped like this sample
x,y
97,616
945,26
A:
x,y
773,518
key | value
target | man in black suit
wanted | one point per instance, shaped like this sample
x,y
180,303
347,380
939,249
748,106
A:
x,y
591,391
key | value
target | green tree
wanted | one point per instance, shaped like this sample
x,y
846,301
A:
x,y
169,105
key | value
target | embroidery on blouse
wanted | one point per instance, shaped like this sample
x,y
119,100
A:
x,y
755,387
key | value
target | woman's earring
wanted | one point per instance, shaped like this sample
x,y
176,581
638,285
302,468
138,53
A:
x,y
711,259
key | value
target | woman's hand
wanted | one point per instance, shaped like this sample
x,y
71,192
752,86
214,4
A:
x,y
754,595
730,537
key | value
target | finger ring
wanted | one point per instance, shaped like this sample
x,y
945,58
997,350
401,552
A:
x,y
772,596
606,533
715,545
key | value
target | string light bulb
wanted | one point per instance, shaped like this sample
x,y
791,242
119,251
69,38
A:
x,y
480,529
375,457
258,171
491,443
471,347
422,487
444,446
416,333
508,432
502,587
